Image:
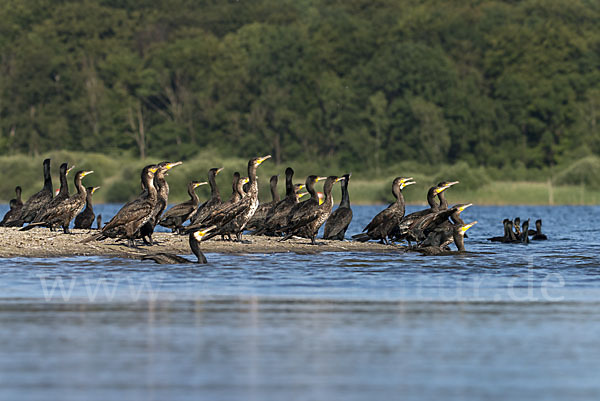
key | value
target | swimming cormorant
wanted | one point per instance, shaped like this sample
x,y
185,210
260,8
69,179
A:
x,y
180,213
385,221
85,219
506,236
524,237
164,258
538,235
338,222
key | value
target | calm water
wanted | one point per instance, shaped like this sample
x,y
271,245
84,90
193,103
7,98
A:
x,y
503,322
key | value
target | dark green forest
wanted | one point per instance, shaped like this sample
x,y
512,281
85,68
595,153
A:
x,y
353,82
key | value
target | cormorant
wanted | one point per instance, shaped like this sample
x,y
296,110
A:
x,y
439,229
308,216
524,237
233,220
506,236
62,214
86,218
338,222
385,221
162,199
265,207
179,214
277,216
14,213
215,198
538,236
38,200
403,230
517,226
61,196
134,214
458,236
168,258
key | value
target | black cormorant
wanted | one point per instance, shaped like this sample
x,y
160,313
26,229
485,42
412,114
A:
x,y
265,207
308,216
505,237
537,235
180,213
85,219
61,195
338,222
458,237
215,198
385,221
168,258
134,214
99,222
62,214
438,229
38,200
524,237
14,213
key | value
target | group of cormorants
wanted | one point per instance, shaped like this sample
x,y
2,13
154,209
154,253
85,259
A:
x,y
429,231
515,233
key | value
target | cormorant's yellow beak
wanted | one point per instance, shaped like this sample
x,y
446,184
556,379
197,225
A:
x,y
320,179
262,159
95,189
171,165
464,228
84,173
245,180
301,186
153,169
300,195
219,170
69,169
340,179
196,185
404,184
463,207
201,233
403,180
445,187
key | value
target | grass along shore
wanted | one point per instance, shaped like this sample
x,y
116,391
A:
x,y
119,179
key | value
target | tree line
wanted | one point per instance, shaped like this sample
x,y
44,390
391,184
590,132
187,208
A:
x,y
352,82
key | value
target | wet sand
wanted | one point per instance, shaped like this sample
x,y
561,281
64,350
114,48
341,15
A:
x,y
41,243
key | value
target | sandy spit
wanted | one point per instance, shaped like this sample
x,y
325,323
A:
x,y
41,243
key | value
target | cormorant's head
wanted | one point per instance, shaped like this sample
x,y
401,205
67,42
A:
x,y
403,182
198,235
444,185
82,173
462,207
215,171
517,221
94,189
274,179
463,229
289,172
257,161
298,187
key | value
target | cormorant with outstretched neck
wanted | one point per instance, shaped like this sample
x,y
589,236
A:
x,y
162,199
215,198
537,234
458,237
38,200
314,200
277,216
385,221
164,258
85,219
180,213
403,230
14,213
338,222
62,214
61,196
233,220
524,237
134,214
265,207
308,217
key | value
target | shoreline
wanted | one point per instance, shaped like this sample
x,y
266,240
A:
x,y
41,243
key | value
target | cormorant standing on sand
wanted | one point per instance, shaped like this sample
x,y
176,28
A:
x,y
385,221
38,200
14,213
179,214
338,222
265,207
85,219
215,198
61,196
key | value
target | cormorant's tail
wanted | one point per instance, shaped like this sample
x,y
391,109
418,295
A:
x,y
362,237
32,225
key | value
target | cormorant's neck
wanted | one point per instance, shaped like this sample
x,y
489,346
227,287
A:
x,y
214,189
150,188
328,201
80,188
345,202
538,228
48,178
274,193
459,241
289,185
64,185
443,202
193,197
310,188
88,200
431,199
18,193
456,218
195,247
400,200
